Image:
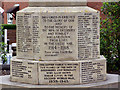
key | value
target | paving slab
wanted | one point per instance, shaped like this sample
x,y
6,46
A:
x,y
113,81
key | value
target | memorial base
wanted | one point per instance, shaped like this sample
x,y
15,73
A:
x,y
58,72
111,82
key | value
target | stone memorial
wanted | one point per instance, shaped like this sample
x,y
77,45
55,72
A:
x,y
58,42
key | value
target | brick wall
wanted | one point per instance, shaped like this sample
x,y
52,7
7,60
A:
x,y
97,6
11,35
8,5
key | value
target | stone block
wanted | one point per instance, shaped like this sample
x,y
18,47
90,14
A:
x,y
51,3
93,70
72,72
112,82
24,71
58,33
58,72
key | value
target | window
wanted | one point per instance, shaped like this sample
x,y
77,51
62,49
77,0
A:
x,y
9,18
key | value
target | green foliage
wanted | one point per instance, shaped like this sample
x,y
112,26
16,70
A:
x,y
8,26
110,35
3,53
2,46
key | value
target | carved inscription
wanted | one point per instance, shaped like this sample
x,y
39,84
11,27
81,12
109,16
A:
x,y
92,71
24,33
20,70
36,34
59,73
59,31
24,71
58,36
28,35
88,35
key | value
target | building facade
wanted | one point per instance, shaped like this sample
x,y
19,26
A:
x,y
9,18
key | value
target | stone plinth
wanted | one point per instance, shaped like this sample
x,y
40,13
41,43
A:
x,y
58,44
24,71
58,33
111,82
58,72
53,3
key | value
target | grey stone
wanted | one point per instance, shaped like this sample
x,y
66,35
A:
x,y
58,72
93,70
111,82
24,71
58,45
51,3
58,33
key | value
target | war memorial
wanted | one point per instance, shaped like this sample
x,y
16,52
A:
x,y
58,43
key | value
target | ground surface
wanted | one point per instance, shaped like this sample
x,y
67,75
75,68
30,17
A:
x,y
4,72
111,82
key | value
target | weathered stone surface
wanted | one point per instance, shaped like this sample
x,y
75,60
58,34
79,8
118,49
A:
x,y
51,3
72,72
24,71
58,33
58,45
58,72
111,83
93,70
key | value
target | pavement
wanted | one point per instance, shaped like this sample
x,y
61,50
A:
x,y
113,81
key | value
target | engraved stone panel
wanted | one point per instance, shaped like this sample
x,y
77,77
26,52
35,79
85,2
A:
x,y
93,70
55,72
60,32
24,71
88,35
57,33
58,72
28,35
24,35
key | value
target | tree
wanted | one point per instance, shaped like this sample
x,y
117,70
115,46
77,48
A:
x,y
110,35
3,53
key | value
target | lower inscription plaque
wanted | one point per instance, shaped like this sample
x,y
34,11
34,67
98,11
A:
x,y
59,72
24,71
92,71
